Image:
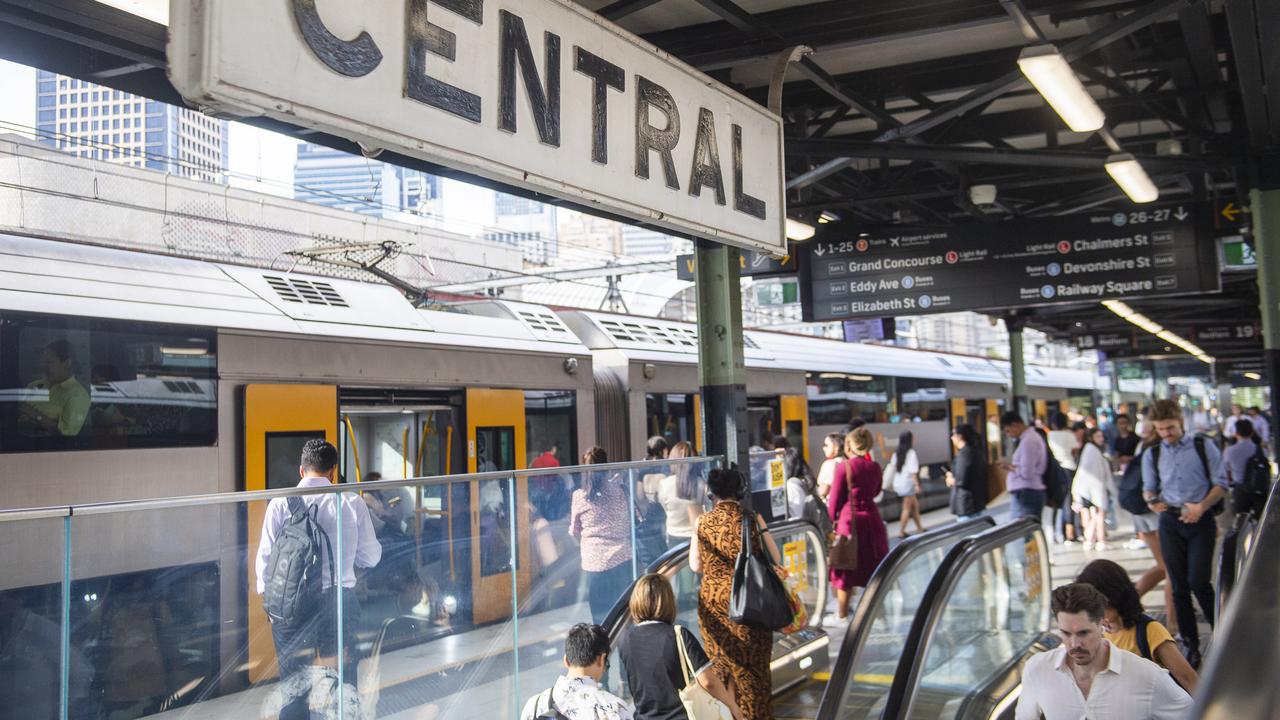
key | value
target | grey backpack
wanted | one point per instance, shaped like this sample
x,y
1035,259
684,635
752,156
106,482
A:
x,y
295,570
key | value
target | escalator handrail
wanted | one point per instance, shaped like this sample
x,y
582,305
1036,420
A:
x,y
672,560
858,631
1247,629
929,615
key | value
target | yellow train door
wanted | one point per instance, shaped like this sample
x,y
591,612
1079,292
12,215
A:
x,y
794,410
278,420
496,441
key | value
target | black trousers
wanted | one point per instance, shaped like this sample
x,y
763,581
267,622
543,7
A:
x,y
604,589
1188,560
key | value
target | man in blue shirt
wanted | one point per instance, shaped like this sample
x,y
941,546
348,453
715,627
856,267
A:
x,y
1179,489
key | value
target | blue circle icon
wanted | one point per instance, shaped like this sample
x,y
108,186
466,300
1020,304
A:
x,y
926,302
1047,291
1119,219
908,282
1054,269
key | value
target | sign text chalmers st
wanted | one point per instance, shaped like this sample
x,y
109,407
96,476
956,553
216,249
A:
x,y
361,56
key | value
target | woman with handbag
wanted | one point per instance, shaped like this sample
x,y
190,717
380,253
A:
x,y
852,507
664,665
741,651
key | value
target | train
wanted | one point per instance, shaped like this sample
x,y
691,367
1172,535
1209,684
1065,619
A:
x,y
128,375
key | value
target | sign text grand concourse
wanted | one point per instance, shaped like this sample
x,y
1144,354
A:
x,y
986,266
539,94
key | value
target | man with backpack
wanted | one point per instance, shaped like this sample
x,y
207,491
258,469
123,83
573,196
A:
x,y
577,694
1182,481
298,557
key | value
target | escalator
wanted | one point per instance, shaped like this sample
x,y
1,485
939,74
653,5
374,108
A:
x,y
983,614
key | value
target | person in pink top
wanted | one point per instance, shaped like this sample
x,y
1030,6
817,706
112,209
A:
x,y
852,506
600,519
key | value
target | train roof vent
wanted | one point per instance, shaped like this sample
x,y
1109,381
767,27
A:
x,y
297,290
647,333
543,321
943,360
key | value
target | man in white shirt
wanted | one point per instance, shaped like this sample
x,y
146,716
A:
x,y
1089,678
313,640
577,694
1261,427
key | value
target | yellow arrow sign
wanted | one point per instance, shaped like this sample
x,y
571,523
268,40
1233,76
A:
x,y
1230,211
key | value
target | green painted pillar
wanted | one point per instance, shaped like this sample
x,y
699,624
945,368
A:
x,y
1019,400
721,371
1265,204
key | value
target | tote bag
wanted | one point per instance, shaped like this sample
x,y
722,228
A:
x,y
698,703
758,597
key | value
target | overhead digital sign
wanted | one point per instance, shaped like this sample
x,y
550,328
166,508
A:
x,y
987,266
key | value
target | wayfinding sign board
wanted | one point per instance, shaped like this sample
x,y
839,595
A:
x,y
914,271
752,264
540,94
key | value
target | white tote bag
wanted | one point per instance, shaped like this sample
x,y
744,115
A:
x,y
698,703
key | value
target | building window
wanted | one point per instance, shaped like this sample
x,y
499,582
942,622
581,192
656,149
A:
x,y
72,383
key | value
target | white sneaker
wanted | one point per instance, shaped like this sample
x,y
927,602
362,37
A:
x,y
1099,546
1135,544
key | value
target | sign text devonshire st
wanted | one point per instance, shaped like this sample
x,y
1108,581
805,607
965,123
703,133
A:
x,y
540,94
987,266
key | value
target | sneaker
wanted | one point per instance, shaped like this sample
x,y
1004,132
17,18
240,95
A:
x,y
1135,543
1099,546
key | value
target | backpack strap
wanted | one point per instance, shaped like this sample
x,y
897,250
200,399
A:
x,y
296,506
1204,459
1140,634
1155,464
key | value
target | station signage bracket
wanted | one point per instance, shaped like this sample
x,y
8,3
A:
x,y
542,95
1152,251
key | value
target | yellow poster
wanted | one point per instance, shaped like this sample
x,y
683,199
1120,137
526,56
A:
x,y
777,489
795,558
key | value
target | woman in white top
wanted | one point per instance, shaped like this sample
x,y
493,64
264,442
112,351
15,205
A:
x,y
680,495
903,472
1089,490
833,452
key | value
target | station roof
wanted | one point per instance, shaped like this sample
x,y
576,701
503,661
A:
x,y
903,105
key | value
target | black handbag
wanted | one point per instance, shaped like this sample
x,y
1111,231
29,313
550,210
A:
x,y
758,598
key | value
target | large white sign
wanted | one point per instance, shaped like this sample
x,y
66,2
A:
x,y
541,94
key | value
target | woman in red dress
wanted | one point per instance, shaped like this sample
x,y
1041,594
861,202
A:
x,y
852,505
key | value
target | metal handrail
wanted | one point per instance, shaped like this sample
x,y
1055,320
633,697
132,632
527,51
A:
x,y
944,582
859,628
1248,629
108,508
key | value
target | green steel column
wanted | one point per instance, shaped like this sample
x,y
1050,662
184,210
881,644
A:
x,y
721,371
1017,368
1265,203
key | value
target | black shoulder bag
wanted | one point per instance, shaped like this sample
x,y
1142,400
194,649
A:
x,y
758,597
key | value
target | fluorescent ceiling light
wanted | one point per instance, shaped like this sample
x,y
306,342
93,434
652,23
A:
x,y
1253,376
1131,178
1155,328
1049,72
799,231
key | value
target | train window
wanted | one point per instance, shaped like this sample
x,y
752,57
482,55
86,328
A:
x,y
551,422
837,398
69,383
495,450
284,452
921,400
671,416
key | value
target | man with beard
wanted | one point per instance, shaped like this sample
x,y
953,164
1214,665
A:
x,y
1087,677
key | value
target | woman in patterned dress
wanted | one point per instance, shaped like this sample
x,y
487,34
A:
x,y
740,652
853,510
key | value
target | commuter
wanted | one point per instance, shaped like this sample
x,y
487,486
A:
x,y
1087,677
681,495
1261,426
577,694
1125,444
64,412
547,459
833,455
781,443
803,502
599,518
651,519
656,664
968,477
1025,479
1236,456
903,472
853,511
740,651
1065,443
1146,526
1127,627
298,641
1182,480
1090,491
1229,424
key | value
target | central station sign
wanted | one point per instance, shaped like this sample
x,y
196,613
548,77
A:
x,y
985,266
540,94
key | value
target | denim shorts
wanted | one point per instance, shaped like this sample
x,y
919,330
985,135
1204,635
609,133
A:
x,y
1146,522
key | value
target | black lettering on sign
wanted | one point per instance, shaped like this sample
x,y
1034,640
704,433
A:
x,y
353,58
604,75
742,202
514,48
651,94
422,37
706,158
